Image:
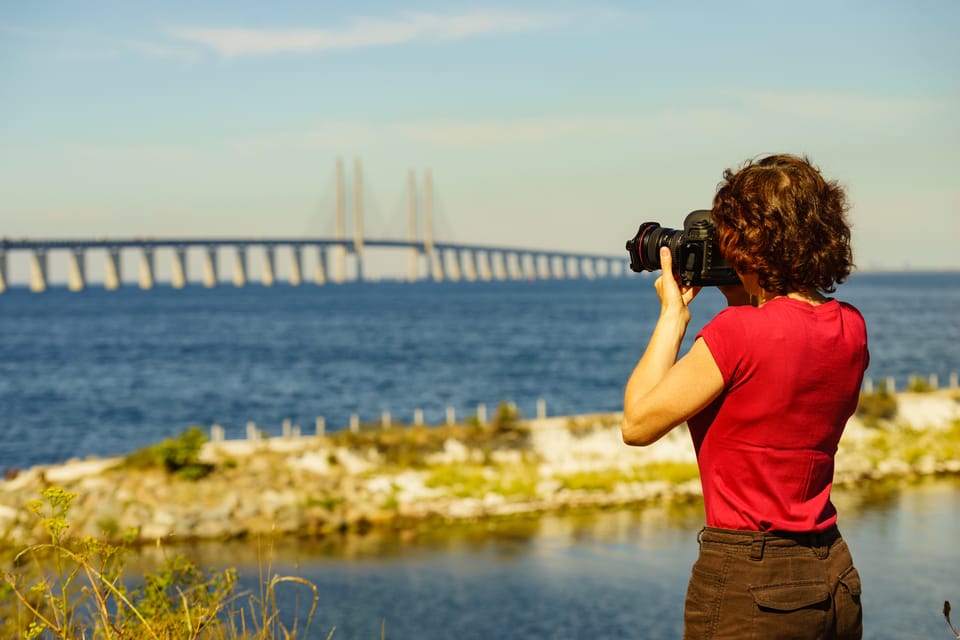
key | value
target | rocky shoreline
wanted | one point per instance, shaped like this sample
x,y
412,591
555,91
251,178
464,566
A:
x,y
319,485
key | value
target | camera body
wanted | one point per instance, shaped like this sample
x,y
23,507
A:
x,y
697,260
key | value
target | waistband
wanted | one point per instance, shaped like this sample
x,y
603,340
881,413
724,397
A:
x,y
756,542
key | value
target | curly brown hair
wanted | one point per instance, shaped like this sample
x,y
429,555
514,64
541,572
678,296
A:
x,y
779,218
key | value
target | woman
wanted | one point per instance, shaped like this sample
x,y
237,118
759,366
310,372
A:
x,y
766,390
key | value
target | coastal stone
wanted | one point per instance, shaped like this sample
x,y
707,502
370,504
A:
x,y
927,410
313,462
73,471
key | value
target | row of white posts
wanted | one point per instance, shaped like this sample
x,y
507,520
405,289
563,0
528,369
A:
x,y
292,431
890,383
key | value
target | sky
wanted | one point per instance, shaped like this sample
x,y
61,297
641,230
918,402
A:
x,y
555,125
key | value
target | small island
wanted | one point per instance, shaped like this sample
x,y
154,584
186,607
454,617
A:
x,y
194,487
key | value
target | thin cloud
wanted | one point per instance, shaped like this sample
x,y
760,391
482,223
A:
x,y
844,107
157,50
367,32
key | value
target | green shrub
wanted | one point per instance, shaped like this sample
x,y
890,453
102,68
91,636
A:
x,y
69,589
180,455
874,408
916,384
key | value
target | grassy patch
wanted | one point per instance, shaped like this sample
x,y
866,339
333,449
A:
x,y
875,408
476,481
607,479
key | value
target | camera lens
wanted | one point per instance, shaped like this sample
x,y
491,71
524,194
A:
x,y
645,246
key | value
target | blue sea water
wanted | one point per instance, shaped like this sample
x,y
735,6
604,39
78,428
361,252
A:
x,y
103,373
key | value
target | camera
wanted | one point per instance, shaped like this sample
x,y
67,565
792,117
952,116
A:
x,y
696,257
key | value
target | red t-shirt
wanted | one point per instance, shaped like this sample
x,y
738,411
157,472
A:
x,y
792,374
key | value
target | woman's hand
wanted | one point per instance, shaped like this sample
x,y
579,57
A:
x,y
674,298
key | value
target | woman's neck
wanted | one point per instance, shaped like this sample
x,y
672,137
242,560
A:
x,y
810,295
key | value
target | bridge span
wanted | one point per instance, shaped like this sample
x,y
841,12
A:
x,y
444,261
427,259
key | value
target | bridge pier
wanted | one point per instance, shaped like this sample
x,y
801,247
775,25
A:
x,y
113,274
587,269
484,270
146,268
240,267
321,266
210,276
435,258
178,274
38,270
469,260
542,264
296,266
556,267
529,265
498,262
3,271
76,276
269,277
412,257
452,263
515,268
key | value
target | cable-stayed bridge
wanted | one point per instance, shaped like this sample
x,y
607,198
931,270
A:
x,y
317,259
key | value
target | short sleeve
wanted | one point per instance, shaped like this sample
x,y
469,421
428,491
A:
x,y
725,338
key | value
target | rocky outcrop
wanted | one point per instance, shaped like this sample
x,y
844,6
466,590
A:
x,y
318,485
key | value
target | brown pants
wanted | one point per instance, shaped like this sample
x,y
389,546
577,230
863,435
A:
x,y
772,586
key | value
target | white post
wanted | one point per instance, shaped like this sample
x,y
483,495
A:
x,y
541,408
891,385
252,434
418,417
216,433
934,381
482,413
954,381
321,426
354,423
867,386
451,415
286,428
385,420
